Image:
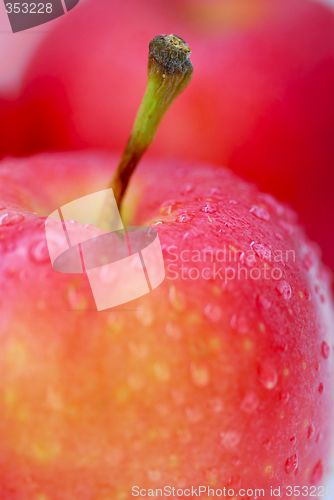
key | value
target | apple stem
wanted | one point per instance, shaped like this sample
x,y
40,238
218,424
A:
x,y
169,73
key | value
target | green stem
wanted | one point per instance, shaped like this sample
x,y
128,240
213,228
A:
x,y
169,73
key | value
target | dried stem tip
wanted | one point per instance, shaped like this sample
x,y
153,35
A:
x,y
171,54
169,72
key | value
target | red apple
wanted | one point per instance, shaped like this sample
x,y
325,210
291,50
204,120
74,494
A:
x,y
261,100
206,381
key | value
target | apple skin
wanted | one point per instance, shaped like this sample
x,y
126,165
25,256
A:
x,y
260,102
197,383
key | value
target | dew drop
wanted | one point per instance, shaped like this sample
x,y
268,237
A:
x,y
307,262
284,289
75,299
260,213
194,415
262,302
319,436
2,207
216,405
158,222
212,312
267,375
288,228
177,396
239,324
211,475
209,208
310,431
173,331
317,367
39,252
185,217
291,465
293,440
317,472
169,207
250,403
284,397
199,374
230,439
161,371
261,250
145,316
266,444
10,219
189,188
325,350
321,388
176,299
154,475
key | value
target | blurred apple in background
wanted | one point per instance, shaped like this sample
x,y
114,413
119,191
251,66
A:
x,y
261,100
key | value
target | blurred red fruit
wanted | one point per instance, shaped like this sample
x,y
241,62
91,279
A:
x,y
261,100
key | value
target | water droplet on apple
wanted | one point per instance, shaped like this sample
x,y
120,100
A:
x,y
317,472
284,397
240,324
2,207
176,299
173,331
216,404
261,250
200,374
307,262
263,303
267,375
266,444
211,475
260,213
145,316
11,218
293,440
157,222
213,312
209,208
189,188
291,465
230,439
194,415
154,475
170,207
39,252
310,431
75,299
325,350
185,217
288,228
284,289
161,371
321,388
250,403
